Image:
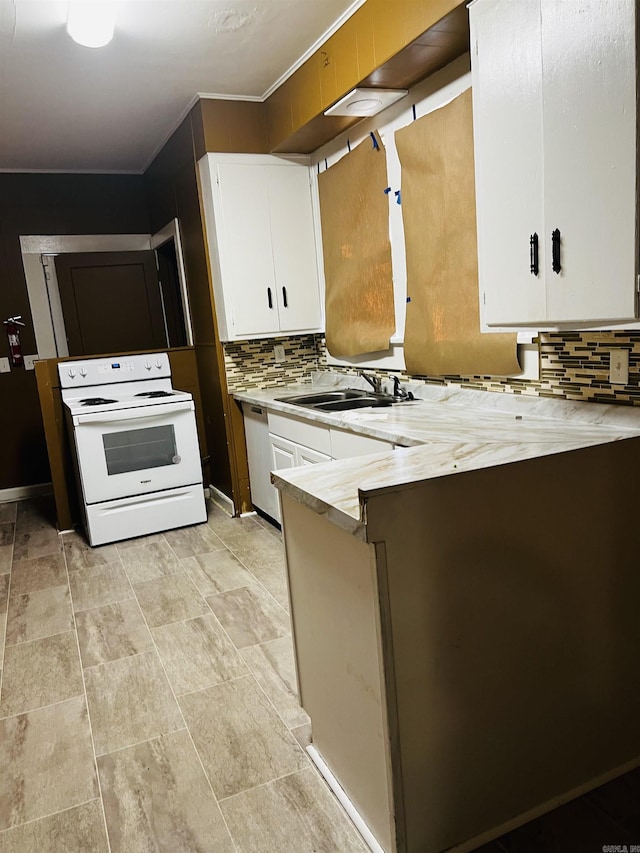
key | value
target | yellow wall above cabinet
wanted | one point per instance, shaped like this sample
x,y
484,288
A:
x,y
233,127
382,44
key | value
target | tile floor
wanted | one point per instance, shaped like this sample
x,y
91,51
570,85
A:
x,y
147,695
147,703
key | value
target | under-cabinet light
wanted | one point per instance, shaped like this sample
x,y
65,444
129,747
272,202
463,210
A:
x,y
365,102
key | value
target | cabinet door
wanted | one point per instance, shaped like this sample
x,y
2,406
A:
x,y
307,456
589,88
294,248
300,431
283,453
241,204
507,114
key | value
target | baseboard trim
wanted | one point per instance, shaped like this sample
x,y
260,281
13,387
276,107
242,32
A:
x,y
221,500
344,800
21,493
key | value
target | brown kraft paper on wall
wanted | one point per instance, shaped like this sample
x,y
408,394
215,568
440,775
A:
x,y
354,212
442,332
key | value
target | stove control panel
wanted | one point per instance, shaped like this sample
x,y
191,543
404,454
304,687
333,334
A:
x,y
103,371
116,367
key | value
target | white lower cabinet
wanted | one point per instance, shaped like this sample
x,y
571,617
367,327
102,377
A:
x,y
286,453
348,444
307,456
302,432
283,453
295,442
276,442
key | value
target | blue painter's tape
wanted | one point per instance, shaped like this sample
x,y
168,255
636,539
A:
x,y
348,146
398,197
408,299
387,190
414,111
374,140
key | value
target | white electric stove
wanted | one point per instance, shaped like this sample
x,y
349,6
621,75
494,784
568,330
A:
x,y
135,446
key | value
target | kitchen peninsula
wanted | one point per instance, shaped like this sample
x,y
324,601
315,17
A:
x,y
465,610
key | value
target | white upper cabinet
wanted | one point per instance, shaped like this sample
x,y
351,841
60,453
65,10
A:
x,y
261,236
554,106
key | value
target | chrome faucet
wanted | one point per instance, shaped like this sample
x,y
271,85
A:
x,y
398,390
374,381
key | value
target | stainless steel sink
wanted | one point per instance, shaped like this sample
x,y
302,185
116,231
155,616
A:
x,y
324,397
358,403
340,400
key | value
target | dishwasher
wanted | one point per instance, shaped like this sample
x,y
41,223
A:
x,y
264,496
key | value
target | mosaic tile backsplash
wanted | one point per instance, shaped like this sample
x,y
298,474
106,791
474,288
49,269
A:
x,y
252,364
573,365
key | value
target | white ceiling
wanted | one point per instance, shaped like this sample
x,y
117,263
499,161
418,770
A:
x,y
69,108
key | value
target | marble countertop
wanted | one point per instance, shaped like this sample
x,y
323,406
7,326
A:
x,y
449,430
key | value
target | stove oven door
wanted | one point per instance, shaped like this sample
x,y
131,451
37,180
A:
x,y
136,451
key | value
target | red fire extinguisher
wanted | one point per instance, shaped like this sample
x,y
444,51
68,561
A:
x,y
13,333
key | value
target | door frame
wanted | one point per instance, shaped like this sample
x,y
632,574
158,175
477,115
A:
x,y
171,231
42,283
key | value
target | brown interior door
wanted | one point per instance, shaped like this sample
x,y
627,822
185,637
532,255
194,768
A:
x,y
111,302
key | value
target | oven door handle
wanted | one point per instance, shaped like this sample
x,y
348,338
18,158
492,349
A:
x,y
161,410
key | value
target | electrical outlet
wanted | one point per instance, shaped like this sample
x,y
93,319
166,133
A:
x,y
619,367
5,367
278,352
30,361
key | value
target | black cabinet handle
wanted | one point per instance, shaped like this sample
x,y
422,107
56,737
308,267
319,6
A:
x,y
533,254
284,297
269,297
556,265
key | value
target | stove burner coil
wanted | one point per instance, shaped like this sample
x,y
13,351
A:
x,y
96,401
155,394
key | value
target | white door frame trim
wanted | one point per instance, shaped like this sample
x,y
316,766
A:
x,y
171,231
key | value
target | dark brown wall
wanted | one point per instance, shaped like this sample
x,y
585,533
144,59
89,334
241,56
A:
x,y
47,204
121,204
172,191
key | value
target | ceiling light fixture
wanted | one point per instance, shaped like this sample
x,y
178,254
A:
x,y
365,102
91,22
